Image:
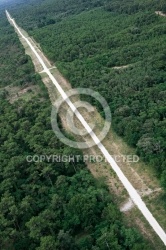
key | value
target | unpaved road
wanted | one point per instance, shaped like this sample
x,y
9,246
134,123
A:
x,y
136,198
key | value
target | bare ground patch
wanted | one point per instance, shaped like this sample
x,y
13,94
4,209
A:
x,y
121,67
160,13
14,93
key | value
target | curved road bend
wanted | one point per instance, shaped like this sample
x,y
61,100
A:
x,y
126,183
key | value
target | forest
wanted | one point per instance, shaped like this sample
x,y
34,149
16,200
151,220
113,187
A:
x,y
47,205
96,38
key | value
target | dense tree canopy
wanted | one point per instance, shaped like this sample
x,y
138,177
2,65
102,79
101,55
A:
x,y
22,73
